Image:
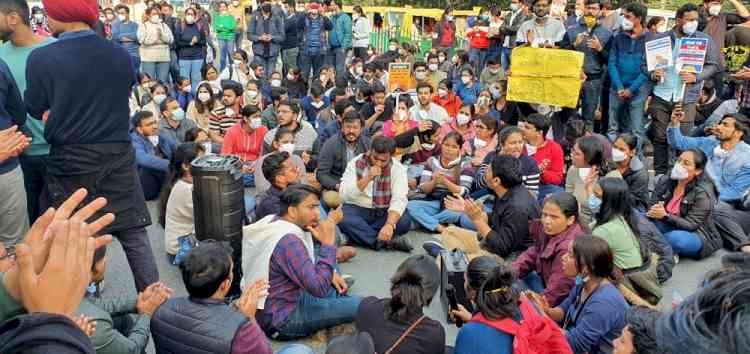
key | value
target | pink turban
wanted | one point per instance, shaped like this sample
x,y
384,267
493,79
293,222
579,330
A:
x,y
86,11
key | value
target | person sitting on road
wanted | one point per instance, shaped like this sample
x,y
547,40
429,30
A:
x,y
338,150
510,142
639,334
588,164
152,153
632,169
283,141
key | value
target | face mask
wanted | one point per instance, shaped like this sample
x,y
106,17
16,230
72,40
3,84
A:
x,y
359,71
590,21
479,143
441,59
579,13
392,48
110,17
313,14
39,17
155,19
287,147
204,97
428,147
178,114
256,123
190,19
442,92
360,100
495,92
662,28
187,89
420,75
455,162
237,62
290,77
626,24
494,71
483,101
514,7
276,83
530,149
679,172
720,153
121,18
449,18
317,104
594,203
158,99
266,8
462,119
402,114
584,172
252,94
690,27
579,280
432,67
618,155
154,139
714,10
466,79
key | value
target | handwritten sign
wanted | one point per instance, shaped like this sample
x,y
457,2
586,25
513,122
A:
x,y
659,53
691,54
545,76
399,76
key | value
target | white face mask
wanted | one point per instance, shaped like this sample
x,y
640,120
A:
x,y
618,155
462,119
690,27
530,149
359,71
428,147
515,7
579,13
158,99
276,83
626,24
584,172
455,162
317,104
154,139
466,79
190,19
679,172
237,62
155,19
420,75
39,17
402,114
252,94
287,147
204,97
479,143
662,28
290,76
442,92
714,10
121,18
392,48
256,123
432,67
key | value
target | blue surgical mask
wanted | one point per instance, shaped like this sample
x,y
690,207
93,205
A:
x,y
595,203
579,280
178,114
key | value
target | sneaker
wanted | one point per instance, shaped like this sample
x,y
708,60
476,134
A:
x,y
433,248
399,244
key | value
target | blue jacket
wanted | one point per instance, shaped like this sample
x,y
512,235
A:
x,y
468,94
594,325
259,25
309,46
12,111
594,62
341,35
145,152
130,30
310,111
730,174
475,337
293,27
627,63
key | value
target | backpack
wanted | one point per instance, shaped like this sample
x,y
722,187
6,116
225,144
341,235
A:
x,y
535,334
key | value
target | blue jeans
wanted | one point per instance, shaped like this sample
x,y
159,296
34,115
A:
x,y
158,70
336,57
135,60
684,243
430,214
191,69
268,63
477,57
308,62
626,116
362,225
296,349
532,281
505,58
547,189
250,203
313,314
591,95
226,51
248,179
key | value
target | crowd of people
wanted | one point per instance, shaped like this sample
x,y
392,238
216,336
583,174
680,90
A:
x,y
570,230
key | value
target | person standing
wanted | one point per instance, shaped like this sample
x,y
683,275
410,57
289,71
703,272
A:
x,y
224,25
445,34
314,43
87,128
155,38
340,37
237,10
190,38
293,23
21,40
125,33
360,33
518,15
266,31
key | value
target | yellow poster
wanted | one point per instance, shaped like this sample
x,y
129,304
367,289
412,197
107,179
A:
x,y
545,76
399,76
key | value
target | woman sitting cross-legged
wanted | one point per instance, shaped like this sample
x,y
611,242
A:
x,y
593,315
510,142
443,175
684,207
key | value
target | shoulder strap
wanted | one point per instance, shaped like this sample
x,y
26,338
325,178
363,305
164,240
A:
x,y
406,334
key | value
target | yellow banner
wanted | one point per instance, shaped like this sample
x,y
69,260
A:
x,y
545,76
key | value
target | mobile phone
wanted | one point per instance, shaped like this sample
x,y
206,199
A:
x,y
450,293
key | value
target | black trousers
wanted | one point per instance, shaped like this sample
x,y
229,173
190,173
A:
x,y
140,257
34,169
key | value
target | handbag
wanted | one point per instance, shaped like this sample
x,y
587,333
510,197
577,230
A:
x,y
406,334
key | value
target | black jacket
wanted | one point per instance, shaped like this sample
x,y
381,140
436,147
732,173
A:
x,y
332,160
636,176
654,240
43,333
696,211
509,222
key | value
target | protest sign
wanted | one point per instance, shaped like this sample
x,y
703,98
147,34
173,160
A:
x,y
659,53
399,76
691,54
545,76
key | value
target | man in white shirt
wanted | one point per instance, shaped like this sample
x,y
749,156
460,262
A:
x,y
373,190
542,31
425,109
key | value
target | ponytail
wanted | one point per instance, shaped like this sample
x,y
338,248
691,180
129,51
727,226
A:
x,y
412,288
497,299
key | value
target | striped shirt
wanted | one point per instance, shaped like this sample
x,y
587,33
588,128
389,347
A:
x,y
529,173
220,122
461,174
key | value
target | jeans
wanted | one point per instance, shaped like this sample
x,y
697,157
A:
x,y
250,204
336,57
547,189
248,179
135,60
314,314
191,69
362,225
238,39
505,58
158,70
626,116
34,168
310,61
151,182
295,349
532,281
226,50
477,57
174,66
140,257
430,214
592,92
14,219
289,59
268,63
661,112
684,243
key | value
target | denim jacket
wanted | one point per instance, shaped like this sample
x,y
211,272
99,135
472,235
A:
x,y
731,174
594,63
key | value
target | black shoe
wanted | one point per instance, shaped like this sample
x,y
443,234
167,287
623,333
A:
x,y
433,248
398,244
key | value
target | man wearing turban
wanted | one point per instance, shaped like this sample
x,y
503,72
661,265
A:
x,y
79,86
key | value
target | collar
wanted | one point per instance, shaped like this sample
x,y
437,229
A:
x,y
77,34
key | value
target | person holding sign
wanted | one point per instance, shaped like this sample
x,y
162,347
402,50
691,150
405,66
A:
x,y
681,82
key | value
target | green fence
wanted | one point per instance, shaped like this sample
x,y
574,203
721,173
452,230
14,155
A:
x,y
381,40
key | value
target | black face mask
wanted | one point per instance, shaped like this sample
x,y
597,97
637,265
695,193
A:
x,y
266,8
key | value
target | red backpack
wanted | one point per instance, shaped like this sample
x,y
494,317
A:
x,y
535,334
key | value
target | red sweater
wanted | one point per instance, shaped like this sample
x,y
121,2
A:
x,y
478,39
247,146
451,103
552,152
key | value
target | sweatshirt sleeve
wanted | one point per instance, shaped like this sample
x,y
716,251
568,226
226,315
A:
x,y
250,339
614,74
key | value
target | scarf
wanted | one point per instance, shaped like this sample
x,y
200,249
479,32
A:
x,y
381,187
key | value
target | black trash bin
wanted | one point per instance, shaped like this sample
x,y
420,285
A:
x,y
218,197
